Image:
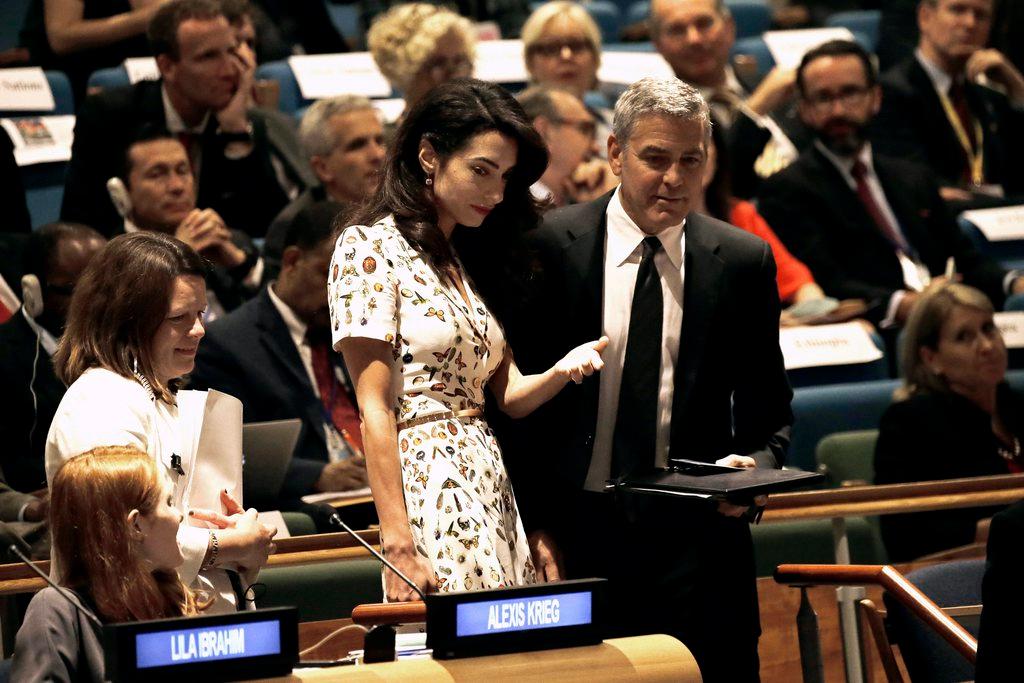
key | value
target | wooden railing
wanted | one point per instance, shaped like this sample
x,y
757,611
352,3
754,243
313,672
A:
x,y
856,501
297,550
895,584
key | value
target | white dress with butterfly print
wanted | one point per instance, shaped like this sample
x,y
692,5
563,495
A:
x,y
457,494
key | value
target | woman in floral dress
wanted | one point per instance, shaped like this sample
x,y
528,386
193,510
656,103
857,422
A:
x,y
421,343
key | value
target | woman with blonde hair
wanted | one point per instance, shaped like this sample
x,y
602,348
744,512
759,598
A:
x,y
955,416
120,500
562,47
419,46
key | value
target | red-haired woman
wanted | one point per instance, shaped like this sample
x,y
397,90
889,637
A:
x,y
119,499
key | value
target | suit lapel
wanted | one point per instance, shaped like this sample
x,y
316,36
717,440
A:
x,y
276,339
702,283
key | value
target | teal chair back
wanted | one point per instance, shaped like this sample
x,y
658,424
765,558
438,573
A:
x,y
848,457
326,590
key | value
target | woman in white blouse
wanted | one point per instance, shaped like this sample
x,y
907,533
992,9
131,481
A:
x,y
134,326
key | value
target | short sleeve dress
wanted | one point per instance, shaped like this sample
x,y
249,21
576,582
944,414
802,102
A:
x,y
459,499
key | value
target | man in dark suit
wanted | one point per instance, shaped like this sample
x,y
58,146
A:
x,y
274,355
248,164
938,108
1002,597
692,370
55,257
868,226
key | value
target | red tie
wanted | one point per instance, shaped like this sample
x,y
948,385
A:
x,y
859,173
335,397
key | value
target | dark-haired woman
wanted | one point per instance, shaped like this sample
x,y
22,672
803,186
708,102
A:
x,y
422,342
133,330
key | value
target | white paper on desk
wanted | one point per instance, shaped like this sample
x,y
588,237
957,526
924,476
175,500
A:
x,y
321,76
1011,325
25,89
391,109
40,139
335,496
500,61
626,67
1002,224
822,345
141,69
789,47
212,429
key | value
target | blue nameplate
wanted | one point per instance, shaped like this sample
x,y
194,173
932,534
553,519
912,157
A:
x,y
241,645
542,616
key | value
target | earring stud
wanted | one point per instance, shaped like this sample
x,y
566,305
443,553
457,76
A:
x,y
430,181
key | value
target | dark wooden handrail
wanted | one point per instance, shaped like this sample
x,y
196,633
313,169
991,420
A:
x,y
892,581
855,501
389,613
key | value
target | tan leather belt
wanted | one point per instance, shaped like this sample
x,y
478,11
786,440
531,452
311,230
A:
x,y
446,415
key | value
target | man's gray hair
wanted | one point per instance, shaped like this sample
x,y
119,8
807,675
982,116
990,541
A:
x,y
654,21
315,135
659,97
537,101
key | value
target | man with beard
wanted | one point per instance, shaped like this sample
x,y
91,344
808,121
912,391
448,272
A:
x,y
274,355
868,226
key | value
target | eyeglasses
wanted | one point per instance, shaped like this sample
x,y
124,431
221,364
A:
x,y
587,127
849,96
555,48
441,67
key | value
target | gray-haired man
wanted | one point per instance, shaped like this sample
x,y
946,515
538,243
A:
x,y
343,138
693,370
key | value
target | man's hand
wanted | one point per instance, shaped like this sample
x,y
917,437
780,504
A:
x,y
204,231
725,507
547,559
344,475
1017,286
993,64
37,509
775,90
233,118
590,180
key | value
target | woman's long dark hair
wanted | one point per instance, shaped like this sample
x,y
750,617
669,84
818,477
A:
x,y
718,197
448,117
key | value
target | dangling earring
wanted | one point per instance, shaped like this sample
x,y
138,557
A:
x,y
430,181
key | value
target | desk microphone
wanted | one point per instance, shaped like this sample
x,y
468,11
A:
x,y
333,518
6,535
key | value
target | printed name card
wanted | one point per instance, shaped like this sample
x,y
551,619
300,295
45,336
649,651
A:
x,y
500,61
355,73
390,108
165,648
1002,224
25,89
789,47
1011,324
141,69
40,139
626,67
822,345
542,611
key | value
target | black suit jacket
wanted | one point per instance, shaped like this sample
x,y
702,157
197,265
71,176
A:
x,y
245,192
1002,595
731,391
250,354
913,125
22,454
823,223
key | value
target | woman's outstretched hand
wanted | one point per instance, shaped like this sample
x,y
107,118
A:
x,y
582,361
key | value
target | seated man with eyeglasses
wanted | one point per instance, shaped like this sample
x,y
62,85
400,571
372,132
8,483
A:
x,y
568,131
868,226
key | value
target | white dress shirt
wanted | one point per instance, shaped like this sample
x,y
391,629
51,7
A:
x,y
622,253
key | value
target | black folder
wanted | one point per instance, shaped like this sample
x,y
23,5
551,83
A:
x,y
688,478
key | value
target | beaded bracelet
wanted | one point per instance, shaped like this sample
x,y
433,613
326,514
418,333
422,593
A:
x,y
214,549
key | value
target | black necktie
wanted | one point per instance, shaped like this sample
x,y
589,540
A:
x,y
636,425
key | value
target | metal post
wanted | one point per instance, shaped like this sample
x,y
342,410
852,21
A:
x,y
847,597
810,643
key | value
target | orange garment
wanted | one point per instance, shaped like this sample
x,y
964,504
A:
x,y
791,273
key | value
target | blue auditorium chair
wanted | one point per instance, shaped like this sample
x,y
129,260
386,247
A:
x,y
608,17
291,99
752,17
346,19
866,22
638,12
44,191
106,79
